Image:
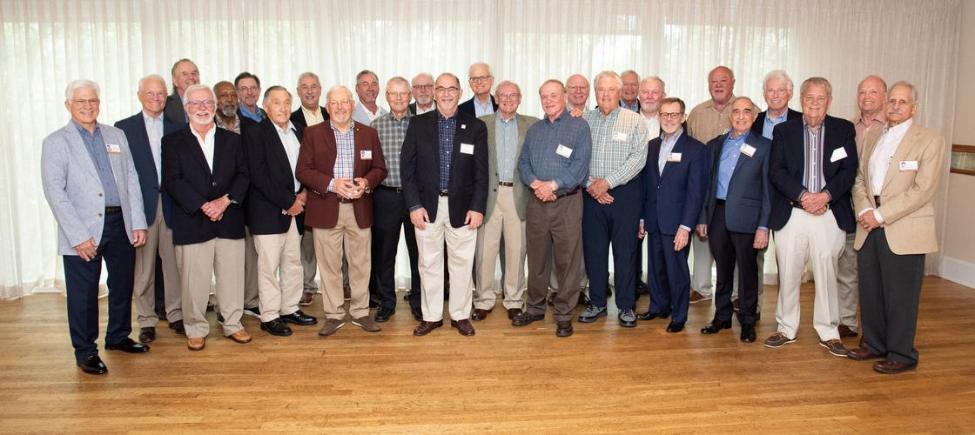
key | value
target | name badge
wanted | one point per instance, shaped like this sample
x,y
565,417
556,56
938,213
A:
x,y
747,150
838,154
467,148
463,126
563,151
673,157
619,136
113,148
909,165
365,155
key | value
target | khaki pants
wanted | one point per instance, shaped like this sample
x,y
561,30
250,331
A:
x,y
198,263
309,264
503,222
159,239
701,275
460,244
356,244
847,284
279,272
251,286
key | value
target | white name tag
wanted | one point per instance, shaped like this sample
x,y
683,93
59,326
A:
x,y
365,154
673,157
909,165
619,136
467,148
113,148
463,126
838,154
563,151
747,150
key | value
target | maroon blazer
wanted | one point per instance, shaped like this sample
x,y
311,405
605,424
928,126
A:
x,y
316,161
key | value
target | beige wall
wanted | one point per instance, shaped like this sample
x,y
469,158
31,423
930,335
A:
x,y
960,225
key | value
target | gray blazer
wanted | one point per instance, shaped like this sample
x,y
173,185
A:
x,y
74,192
521,191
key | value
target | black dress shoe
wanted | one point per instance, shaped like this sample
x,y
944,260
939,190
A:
x,y
425,327
715,327
525,319
747,333
383,314
480,314
650,315
463,326
299,318
641,288
252,311
147,335
276,327
675,327
92,365
417,313
128,346
178,327
512,312
220,317
563,328
161,315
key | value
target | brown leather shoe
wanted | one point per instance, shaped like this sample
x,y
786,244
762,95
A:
x,y
425,327
480,314
306,299
241,337
862,354
697,297
463,326
512,312
846,332
563,328
891,367
196,343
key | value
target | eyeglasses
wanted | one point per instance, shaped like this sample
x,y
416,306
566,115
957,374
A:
x,y
670,115
398,94
481,79
507,96
90,101
423,87
208,103
578,88
447,90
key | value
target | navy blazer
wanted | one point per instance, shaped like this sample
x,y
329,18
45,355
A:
x,y
298,118
145,165
272,187
188,179
748,203
174,113
675,197
420,166
788,162
468,106
759,125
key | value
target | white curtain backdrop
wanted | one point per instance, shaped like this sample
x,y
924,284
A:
x,y
45,44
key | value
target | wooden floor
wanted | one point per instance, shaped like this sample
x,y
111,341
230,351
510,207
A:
x,y
604,379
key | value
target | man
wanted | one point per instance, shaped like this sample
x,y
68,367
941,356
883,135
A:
x,y
144,132
226,116
249,87
309,91
444,169
577,94
505,213
390,207
275,213
423,94
706,121
894,192
481,81
341,162
675,181
735,217
367,89
185,74
554,161
812,167
651,93
93,189
609,217
205,172
630,94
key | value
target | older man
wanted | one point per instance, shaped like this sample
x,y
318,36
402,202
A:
x,y
341,162
481,81
185,74
445,183
577,94
249,87
812,167
144,132
735,217
226,115
894,193
553,162
609,217
422,91
505,213
390,207
205,172
651,94
367,90
92,186
630,94
275,213
706,121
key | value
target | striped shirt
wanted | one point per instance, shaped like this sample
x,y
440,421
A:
x,y
447,129
392,133
812,174
344,154
619,145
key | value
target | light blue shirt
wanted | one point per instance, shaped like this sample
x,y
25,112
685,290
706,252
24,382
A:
x,y
666,146
256,115
770,123
483,109
154,128
730,151
98,151
506,139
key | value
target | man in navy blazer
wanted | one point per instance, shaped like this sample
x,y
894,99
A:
x,y
481,80
144,132
735,217
445,182
185,74
812,167
675,181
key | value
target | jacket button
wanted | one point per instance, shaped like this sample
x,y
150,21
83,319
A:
x,y
99,215
99,195
214,184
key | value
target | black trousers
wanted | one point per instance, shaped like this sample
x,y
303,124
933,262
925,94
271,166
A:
x,y
730,250
389,215
890,288
81,281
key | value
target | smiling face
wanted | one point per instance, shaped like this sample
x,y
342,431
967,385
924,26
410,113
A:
x,y
509,98
481,80
777,94
607,94
185,75
742,116
226,99
340,106
578,88
398,97
553,99
671,117
631,87
367,88
815,104
199,106
423,90
310,92
651,92
277,104
448,94
900,105
870,96
249,91
721,85
153,97
84,106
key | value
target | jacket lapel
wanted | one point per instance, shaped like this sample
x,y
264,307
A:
x,y
743,158
115,159
678,148
80,152
903,148
492,144
197,150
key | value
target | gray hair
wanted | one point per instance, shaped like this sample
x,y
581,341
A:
x,y
719,67
629,71
491,73
556,81
151,77
198,87
401,81
663,86
80,84
507,82
778,74
609,74
754,106
818,81
914,94
308,74
336,88
421,75
448,74
364,72
275,88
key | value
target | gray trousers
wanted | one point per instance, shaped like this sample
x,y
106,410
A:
x,y
554,244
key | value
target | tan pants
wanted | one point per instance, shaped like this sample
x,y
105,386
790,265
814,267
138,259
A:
x,y
159,239
251,286
308,262
848,285
701,275
279,272
503,222
461,243
356,243
198,263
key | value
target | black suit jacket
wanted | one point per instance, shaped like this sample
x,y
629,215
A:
x,y
188,179
134,128
245,122
174,113
298,118
272,187
759,125
788,161
468,106
420,166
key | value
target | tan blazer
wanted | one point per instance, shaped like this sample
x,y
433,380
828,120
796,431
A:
x,y
907,197
521,192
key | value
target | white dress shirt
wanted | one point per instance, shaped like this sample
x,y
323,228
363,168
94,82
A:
x,y
154,128
291,146
206,143
881,157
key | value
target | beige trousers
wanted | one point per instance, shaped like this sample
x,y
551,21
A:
x,y
460,244
198,263
279,272
159,239
356,243
251,286
503,222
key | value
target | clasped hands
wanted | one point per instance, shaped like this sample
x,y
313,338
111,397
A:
x,y
815,203
299,206
869,221
544,190
214,209
599,190
350,188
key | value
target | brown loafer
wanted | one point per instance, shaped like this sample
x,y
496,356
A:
x,y
846,332
463,326
306,299
891,367
563,328
425,327
196,343
862,354
480,314
241,337
512,312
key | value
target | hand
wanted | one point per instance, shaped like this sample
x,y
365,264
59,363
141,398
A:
x,y
296,208
363,185
343,187
216,207
575,113
681,238
815,202
702,230
217,217
868,221
543,190
605,199
419,218
139,237
473,219
87,249
761,239
303,197
641,234
598,187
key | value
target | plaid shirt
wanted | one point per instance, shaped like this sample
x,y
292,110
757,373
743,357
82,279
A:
x,y
392,133
447,129
619,146
344,155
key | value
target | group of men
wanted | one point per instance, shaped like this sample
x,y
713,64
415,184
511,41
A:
x,y
207,183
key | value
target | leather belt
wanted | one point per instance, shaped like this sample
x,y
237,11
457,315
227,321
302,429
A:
x,y
571,192
876,200
345,200
394,189
442,193
506,184
719,201
113,210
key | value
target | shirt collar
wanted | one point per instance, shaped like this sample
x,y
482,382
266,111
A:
x,y
336,129
147,118
444,118
248,113
663,135
777,119
881,119
501,118
82,130
290,127
900,129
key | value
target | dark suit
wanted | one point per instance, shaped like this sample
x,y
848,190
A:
x,y
733,221
246,122
272,188
672,199
174,113
298,117
468,106
759,125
